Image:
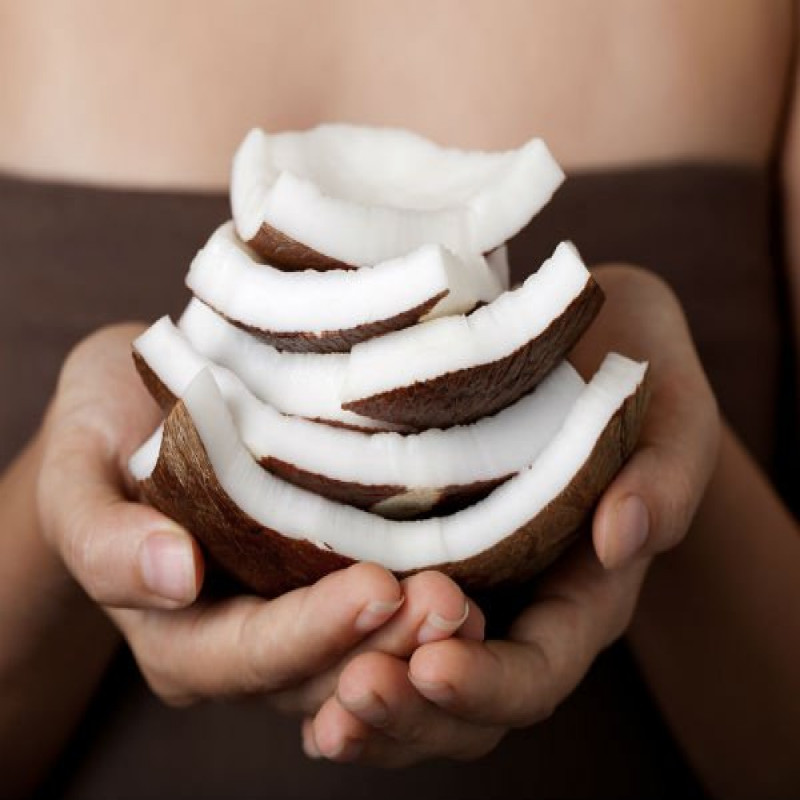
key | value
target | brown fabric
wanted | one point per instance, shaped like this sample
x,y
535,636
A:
x,y
706,231
72,259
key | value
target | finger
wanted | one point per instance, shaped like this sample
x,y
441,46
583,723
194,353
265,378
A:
x,y
649,506
122,553
379,718
434,608
334,733
582,608
247,645
376,689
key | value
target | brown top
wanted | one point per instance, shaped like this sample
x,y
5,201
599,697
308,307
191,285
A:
x,y
73,258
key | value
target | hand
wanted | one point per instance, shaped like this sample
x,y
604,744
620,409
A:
x,y
147,571
457,698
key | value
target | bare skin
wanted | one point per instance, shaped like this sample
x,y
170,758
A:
x,y
617,82
158,94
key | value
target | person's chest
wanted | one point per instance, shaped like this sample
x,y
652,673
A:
x,y
160,93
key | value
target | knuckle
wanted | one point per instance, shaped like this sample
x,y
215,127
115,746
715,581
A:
x,y
371,579
480,745
492,741
268,660
473,750
416,731
156,666
169,694
537,707
553,668
678,507
537,703
254,646
81,557
172,698
362,670
540,709
161,681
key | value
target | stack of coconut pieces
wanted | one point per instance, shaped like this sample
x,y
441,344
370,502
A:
x,y
354,380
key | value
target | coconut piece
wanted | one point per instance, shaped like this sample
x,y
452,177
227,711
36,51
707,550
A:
x,y
498,263
457,369
304,384
330,311
344,195
393,475
273,536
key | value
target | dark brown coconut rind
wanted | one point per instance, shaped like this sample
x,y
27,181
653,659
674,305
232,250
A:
x,y
536,545
393,502
340,341
165,399
286,253
337,423
390,501
282,251
158,390
184,487
465,395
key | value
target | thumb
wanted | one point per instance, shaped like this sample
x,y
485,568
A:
x,y
649,506
122,553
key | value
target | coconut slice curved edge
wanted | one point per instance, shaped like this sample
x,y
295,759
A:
x,y
273,536
345,195
498,262
331,311
392,475
303,384
458,369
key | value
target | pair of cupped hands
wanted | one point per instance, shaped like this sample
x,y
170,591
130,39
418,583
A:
x,y
382,671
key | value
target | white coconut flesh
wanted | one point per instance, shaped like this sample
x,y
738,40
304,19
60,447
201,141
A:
x,y
226,275
304,384
490,449
363,195
498,263
408,545
435,348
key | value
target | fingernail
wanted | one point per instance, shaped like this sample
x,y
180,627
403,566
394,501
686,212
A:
x,y
440,693
347,750
437,626
628,534
166,560
309,742
377,612
368,708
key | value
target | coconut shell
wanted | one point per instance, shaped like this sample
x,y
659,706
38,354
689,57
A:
x,y
165,399
466,395
391,501
286,253
154,385
280,250
340,341
184,487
